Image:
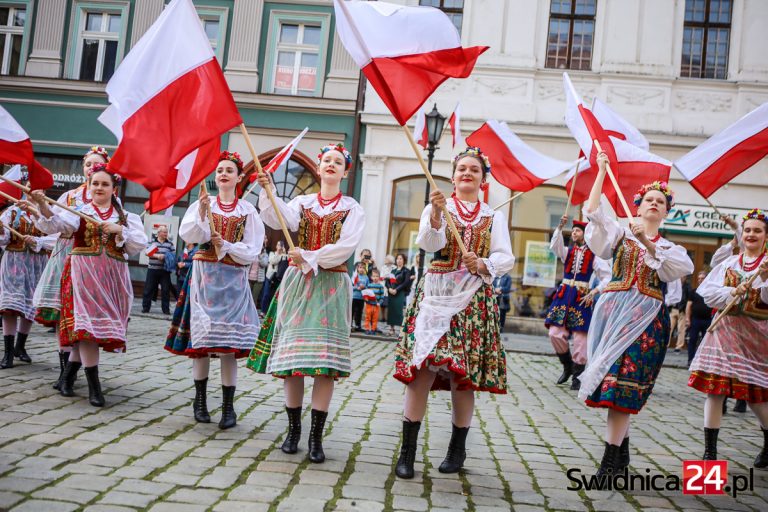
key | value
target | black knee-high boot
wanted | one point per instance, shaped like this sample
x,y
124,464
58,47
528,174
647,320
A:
x,y
293,436
567,362
761,461
404,467
200,405
610,463
228,416
578,369
316,453
7,361
63,358
710,443
624,455
20,350
67,381
95,396
457,451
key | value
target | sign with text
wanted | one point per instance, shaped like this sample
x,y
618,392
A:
x,y
688,218
540,267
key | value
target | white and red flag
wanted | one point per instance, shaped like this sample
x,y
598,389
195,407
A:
x,y
420,133
167,98
14,174
515,164
631,165
16,148
728,153
282,156
455,123
404,52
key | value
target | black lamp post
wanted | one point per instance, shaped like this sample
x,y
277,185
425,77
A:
x,y
435,125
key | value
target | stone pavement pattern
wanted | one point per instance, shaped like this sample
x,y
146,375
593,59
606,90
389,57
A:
x,y
145,452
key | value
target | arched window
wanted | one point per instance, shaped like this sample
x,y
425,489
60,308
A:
x,y
405,212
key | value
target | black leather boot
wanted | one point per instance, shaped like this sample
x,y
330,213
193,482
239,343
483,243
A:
x,y
741,406
67,381
95,396
710,443
578,369
63,358
610,463
623,455
567,363
200,405
228,416
404,467
7,361
761,461
316,453
457,452
292,437
20,351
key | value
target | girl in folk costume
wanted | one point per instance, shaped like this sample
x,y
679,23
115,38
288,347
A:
x,y
96,290
47,297
571,309
306,330
450,336
732,360
215,314
627,338
20,270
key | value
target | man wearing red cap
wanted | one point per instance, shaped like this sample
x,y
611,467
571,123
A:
x,y
571,309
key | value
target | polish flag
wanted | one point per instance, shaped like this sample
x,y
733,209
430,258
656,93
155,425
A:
x,y
728,153
455,123
515,164
404,52
14,173
152,250
632,166
420,133
190,171
167,98
16,148
282,156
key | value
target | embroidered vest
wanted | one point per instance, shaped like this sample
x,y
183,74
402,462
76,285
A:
x,y
585,267
316,231
477,239
26,227
232,230
88,240
629,269
752,306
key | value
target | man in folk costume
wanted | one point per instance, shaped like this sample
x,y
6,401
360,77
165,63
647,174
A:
x,y
571,309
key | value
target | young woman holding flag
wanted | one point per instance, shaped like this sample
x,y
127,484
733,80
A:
x,y
96,290
450,337
731,360
626,342
306,330
215,315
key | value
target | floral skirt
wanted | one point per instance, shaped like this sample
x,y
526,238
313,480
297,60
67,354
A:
x,y
306,329
47,298
471,352
566,311
630,380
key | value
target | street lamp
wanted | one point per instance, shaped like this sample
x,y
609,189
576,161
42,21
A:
x,y
435,125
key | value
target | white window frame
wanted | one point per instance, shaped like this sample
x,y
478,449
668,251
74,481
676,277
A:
x,y
79,34
8,31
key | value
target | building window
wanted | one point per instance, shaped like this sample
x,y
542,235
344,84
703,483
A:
x,y
706,34
296,54
215,26
571,34
405,213
99,38
453,8
13,19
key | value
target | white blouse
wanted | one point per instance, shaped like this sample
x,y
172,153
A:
x,y
717,295
330,255
197,230
133,239
499,261
41,242
601,268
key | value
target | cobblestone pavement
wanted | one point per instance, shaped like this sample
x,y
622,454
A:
x,y
145,452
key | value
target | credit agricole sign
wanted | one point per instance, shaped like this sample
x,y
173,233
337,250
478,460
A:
x,y
700,220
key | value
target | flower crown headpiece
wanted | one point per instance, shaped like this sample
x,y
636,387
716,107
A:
x,y
233,157
661,186
341,149
98,150
755,213
99,167
477,153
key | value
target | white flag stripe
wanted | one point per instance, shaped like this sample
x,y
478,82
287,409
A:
x,y
699,159
612,121
418,127
10,130
185,168
456,127
174,45
573,119
380,20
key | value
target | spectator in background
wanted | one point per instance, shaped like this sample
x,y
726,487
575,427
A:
x,y
366,259
373,295
398,287
385,273
676,299
698,316
359,283
157,273
184,264
275,258
257,274
502,286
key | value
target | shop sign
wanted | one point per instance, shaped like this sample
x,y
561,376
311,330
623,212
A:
x,y
700,220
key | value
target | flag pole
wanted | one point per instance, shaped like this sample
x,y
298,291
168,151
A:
x,y
730,305
432,184
702,195
204,190
573,187
615,185
509,200
270,195
9,228
52,201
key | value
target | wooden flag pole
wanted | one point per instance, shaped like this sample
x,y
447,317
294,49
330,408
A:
x,y
615,185
204,190
9,228
432,184
509,200
270,194
730,305
52,201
